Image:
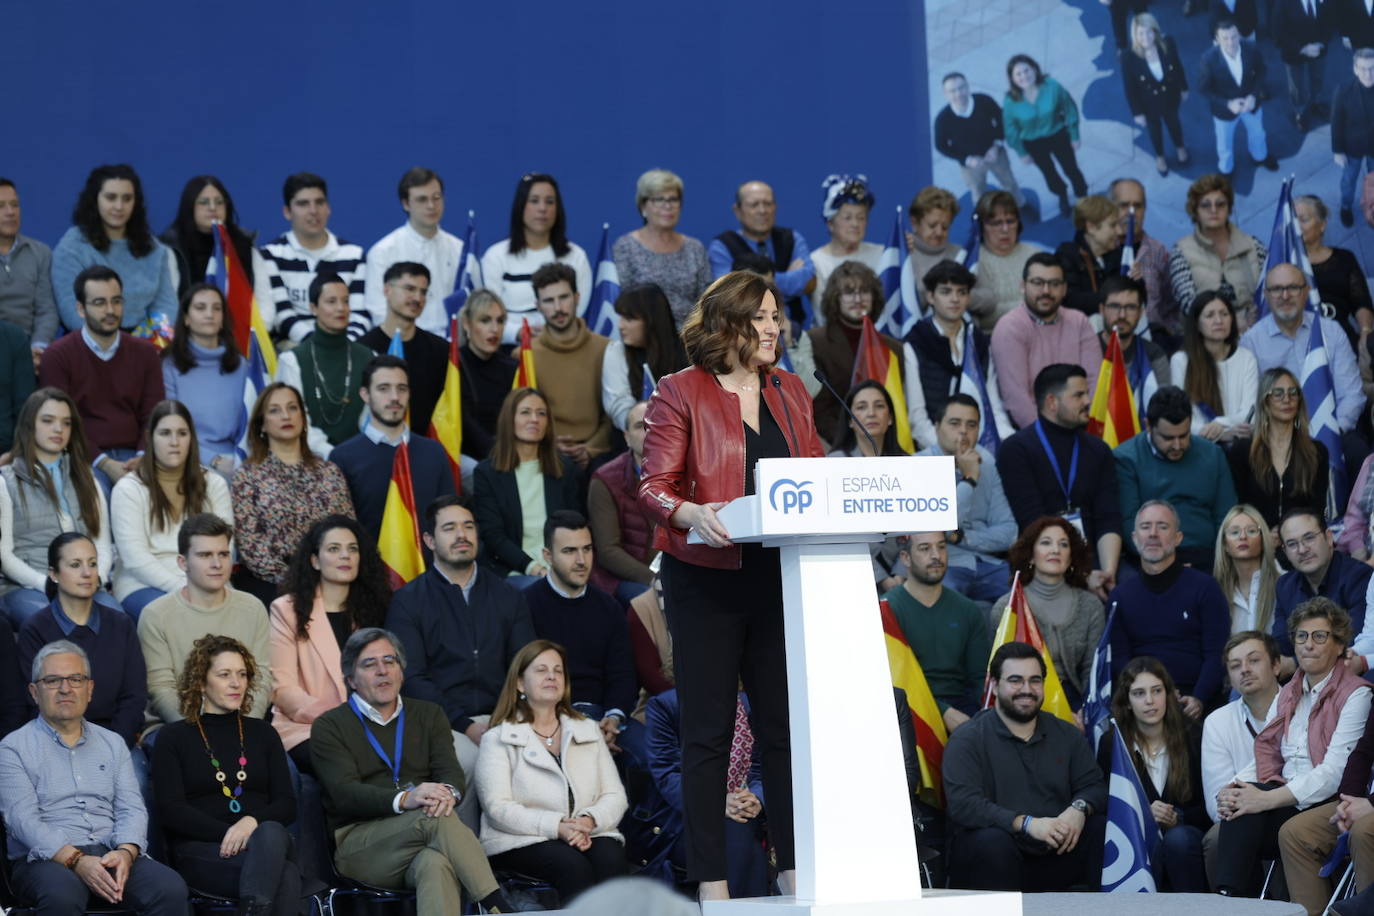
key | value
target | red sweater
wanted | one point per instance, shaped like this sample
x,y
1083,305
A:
x,y
115,397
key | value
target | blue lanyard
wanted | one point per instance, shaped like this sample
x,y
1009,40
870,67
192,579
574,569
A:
x,y
394,765
1054,462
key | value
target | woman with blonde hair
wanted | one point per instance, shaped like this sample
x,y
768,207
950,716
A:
x,y
486,371
551,797
931,212
1281,466
1155,86
657,252
1246,569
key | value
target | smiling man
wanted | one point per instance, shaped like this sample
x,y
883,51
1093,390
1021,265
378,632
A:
x,y
170,625
567,361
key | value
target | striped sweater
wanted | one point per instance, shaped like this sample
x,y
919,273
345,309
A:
x,y
289,269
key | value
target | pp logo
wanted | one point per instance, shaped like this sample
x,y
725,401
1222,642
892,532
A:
x,y
793,496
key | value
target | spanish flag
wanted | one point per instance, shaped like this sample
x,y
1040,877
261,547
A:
x,y
1113,416
446,423
524,356
1018,625
925,714
245,316
873,360
399,543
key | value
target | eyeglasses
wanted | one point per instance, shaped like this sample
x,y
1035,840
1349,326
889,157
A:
x,y
1017,681
1307,540
1251,532
1285,291
1319,637
665,201
1040,283
1284,394
55,681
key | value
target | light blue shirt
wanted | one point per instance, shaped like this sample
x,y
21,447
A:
x,y
100,353
1274,348
984,514
59,484
790,282
376,436
53,795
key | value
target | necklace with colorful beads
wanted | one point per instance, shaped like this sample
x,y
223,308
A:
x,y
235,806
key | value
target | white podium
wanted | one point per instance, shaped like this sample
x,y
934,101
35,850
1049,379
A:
x,y
856,849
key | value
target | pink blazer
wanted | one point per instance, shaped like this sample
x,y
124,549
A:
x,y
307,675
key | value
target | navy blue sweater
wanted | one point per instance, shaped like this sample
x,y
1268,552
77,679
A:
x,y
367,468
594,632
1181,618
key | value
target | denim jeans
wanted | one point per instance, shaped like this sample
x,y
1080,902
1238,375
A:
x,y
1350,178
1254,136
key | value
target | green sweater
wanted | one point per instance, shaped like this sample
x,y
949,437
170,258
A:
x,y
950,640
356,784
340,363
1198,486
1052,111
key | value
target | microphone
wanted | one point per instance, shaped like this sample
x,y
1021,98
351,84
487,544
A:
x,y
820,377
796,443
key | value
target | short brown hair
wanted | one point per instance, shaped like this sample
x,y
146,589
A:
x,y
1271,645
994,202
722,317
932,198
1317,609
191,684
511,705
1206,185
1093,209
848,273
1021,556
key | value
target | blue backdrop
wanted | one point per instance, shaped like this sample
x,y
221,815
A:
x,y
718,91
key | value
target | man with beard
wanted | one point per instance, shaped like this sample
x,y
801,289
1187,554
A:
x,y
1171,611
1147,365
1025,796
945,630
567,361
1319,570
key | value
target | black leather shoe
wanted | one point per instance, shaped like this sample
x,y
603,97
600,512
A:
x,y
1271,163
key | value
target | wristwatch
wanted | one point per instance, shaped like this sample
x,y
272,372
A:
x,y
1081,807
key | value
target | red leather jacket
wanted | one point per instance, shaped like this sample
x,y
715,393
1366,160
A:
x,y
694,451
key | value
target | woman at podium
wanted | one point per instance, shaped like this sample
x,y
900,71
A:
x,y
707,427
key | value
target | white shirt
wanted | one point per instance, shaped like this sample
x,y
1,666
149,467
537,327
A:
x,y
1244,609
1233,64
918,417
1156,766
441,254
1238,379
508,275
1228,747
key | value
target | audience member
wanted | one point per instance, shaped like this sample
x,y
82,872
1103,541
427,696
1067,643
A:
x,y
113,377
847,205
405,288
1151,265
285,287
1340,278
1038,334
523,482
1281,466
870,403
337,574
657,252
370,456
568,359
1217,254
1320,571
1352,128
1303,34
1155,85
105,633
169,626
241,849
1165,749
279,491
621,533
986,525
1171,611
852,294
1092,255
550,814
1053,467
1166,461
419,240
327,366
931,212
1025,797
460,629
17,369
26,296
1246,568
386,835
1041,122
17,706
969,131
73,812
936,352
757,211
110,229
203,369
945,630
1147,365
538,236
204,202
1219,376
1356,527
1232,80
1052,560
648,349
1001,259
148,506
1300,754
651,643
486,371
47,489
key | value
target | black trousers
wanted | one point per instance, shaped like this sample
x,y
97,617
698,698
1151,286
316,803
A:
x,y
990,859
569,870
1157,117
1242,843
266,869
1044,150
727,624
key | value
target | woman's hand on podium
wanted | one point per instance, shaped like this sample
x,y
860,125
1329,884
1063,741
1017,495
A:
x,y
701,518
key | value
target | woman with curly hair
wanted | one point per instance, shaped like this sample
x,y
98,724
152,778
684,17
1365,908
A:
x,y
223,787
1217,254
338,577
1054,563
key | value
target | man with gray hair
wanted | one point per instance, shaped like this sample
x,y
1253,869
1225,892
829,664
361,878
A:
x,y
390,786
76,821
1171,611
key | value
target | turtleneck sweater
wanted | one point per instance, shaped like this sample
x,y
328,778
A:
x,y
486,382
331,368
215,398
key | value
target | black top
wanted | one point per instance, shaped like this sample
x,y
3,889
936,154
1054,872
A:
x,y
1271,495
486,382
190,802
1033,490
768,442
958,138
426,357
341,624
1192,809
593,630
1341,284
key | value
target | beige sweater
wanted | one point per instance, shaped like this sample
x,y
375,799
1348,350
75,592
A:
x,y
569,375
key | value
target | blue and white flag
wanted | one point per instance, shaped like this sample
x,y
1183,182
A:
x,y
1131,829
896,318
599,312
647,385
1141,374
1097,702
253,382
973,245
1128,247
1286,247
974,383
1319,391
469,277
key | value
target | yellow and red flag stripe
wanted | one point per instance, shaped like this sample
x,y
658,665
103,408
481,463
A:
x,y
446,423
399,541
925,713
1113,416
874,360
1018,625
524,373
245,316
